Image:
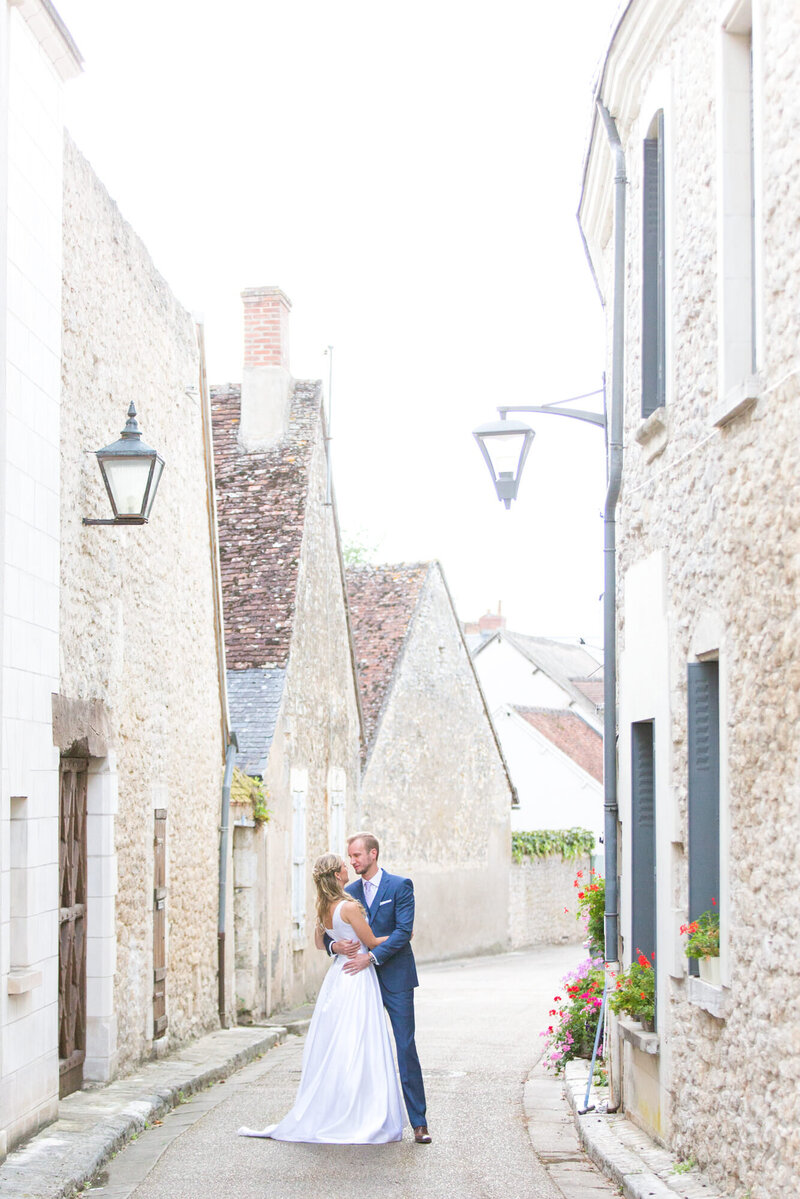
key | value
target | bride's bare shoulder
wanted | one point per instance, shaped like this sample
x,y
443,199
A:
x,y
349,908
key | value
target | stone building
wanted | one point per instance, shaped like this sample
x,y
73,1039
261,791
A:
x,y
111,765
434,789
705,97
290,667
37,56
139,717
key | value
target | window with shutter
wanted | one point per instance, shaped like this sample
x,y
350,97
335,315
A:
x,y
643,832
653,272
703,790
337,832
299,791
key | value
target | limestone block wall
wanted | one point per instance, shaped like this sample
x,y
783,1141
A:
x,y
137,622
541,901
435,791
708,554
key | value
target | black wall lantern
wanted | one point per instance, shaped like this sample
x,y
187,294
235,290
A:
x,y
131,471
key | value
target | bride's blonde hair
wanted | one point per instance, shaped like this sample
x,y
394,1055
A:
x,y
329,890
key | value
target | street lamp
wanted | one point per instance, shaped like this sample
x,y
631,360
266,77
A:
x,y
504,445
131,471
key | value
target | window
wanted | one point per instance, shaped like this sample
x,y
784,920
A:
x,y
704,757
737,218
653,271
643,849
299,784
337,787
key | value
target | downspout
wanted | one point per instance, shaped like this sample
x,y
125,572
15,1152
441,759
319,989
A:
x,y
224,830
609,548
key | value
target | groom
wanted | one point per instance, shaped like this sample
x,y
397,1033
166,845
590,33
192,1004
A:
x,y
389,900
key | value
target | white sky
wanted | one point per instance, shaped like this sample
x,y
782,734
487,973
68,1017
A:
x,y
408,175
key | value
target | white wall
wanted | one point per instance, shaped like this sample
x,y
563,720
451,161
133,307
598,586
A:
x,y
507,677
30,314
554,791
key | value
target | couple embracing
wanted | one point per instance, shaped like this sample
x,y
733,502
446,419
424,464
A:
x,y
348,1093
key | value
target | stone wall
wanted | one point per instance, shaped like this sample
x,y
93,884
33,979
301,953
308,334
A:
x,y
709,550
435,791
541,901
137,622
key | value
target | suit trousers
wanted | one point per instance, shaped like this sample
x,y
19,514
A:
x,y
400,1006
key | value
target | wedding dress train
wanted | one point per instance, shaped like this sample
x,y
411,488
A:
x,y
349,1092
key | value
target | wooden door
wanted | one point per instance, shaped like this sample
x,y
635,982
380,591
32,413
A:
x,y
72,925
160,924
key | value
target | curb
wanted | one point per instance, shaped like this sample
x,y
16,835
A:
x,y
93,1125
626,1154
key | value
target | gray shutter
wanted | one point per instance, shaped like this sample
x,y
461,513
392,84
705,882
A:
x,y
703,789
653,274
643,863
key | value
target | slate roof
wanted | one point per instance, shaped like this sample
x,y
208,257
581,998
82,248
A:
x,y
382,602
254,701
261,501
571,734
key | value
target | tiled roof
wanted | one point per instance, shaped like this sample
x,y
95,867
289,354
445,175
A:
x,y
382,601
591,688
572,735
261,501
254,699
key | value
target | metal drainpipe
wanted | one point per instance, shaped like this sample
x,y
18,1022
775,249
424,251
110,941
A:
x,y
224,829
610,537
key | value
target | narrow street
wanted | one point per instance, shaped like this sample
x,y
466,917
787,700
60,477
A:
x,y
478,1036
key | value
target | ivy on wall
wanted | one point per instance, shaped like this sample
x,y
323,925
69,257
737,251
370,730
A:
x,y
248,790
545,842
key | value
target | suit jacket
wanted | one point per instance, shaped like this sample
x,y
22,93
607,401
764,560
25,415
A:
x,y
392,916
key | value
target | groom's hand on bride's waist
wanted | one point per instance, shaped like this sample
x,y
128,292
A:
x,y
359,962
346,948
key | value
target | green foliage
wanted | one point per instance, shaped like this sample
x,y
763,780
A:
x,y
544,842
356,549
248,790
592,907
635,990
684,1167
703,936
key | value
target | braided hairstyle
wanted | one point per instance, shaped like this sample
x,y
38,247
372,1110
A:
x,y
329,890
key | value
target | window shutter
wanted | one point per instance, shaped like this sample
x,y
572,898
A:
x,y
653,274
299,860
643,924
703,789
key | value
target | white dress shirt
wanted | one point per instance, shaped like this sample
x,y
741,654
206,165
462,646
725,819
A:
x,y
371,886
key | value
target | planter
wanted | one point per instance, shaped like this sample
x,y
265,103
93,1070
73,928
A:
x,y
709,971
647,1025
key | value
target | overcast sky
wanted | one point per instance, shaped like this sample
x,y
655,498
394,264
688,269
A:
x,y
409,176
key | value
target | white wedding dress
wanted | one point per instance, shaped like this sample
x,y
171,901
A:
x,y
349,1093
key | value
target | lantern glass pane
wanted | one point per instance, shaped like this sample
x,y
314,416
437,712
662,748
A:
x,y
158,466
504,451
127,480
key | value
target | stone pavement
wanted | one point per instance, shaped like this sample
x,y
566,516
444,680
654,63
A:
x,y
94,1124
639,1168
478,1021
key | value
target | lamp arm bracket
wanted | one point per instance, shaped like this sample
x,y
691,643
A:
x,y
591,418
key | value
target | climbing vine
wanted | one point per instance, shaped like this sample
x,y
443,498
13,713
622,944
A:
x,y
545,842
248,790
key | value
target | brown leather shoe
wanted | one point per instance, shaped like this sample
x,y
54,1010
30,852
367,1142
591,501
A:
x,y
421,1135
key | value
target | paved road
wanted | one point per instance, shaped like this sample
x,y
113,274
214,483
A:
x,y
478,1037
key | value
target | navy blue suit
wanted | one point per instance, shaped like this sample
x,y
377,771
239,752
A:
x,y
392,915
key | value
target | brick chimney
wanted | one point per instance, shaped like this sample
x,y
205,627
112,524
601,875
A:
x,y
490,622
266,382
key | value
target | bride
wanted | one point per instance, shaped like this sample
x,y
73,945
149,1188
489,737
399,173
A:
x,y
348,1093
